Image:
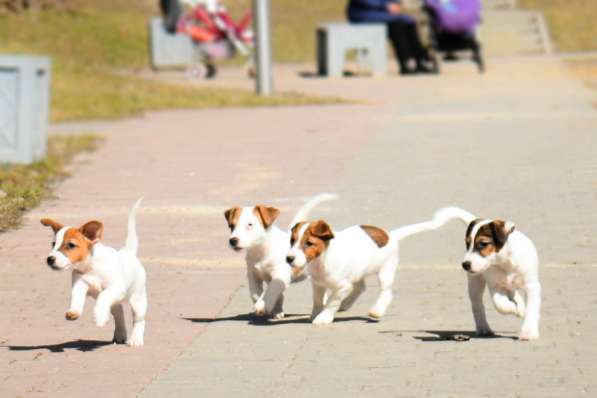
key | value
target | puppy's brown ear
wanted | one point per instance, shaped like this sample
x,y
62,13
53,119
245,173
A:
x,y
48,222
232,216
92,230
322,230
501,230
267,215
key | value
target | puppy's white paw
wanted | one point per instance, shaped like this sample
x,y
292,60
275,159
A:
x,y
279,315
528,335
373,314
101,317
324,318
135,341
72,315
260,308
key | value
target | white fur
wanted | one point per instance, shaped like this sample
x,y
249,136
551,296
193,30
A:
x,y
111,277
351,256
510,275
266,257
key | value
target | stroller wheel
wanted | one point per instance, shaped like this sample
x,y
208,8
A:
x,y
210,71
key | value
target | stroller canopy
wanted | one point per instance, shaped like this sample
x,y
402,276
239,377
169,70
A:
x,y
456,16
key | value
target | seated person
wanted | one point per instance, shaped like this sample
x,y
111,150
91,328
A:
x,y
402,31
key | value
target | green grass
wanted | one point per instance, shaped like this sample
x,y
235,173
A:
x,y
24,186
89,42
572,23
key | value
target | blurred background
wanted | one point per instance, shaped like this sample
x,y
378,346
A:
x,y
99,47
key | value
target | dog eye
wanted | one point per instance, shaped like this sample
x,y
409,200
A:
x,y
250,225
53,244
71,245
309,244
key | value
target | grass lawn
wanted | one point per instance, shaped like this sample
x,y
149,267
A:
x,y
91,40
572,23
22,187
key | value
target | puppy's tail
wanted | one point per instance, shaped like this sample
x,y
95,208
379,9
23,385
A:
x,y
441,218
132,240
303,213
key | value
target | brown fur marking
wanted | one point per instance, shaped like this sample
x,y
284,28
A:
x,y
491,238
48,222
316,238
377,235
232,215
267,215
75,245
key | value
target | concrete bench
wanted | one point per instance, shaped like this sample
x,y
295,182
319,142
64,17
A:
x,y
24,106
168,49
335,39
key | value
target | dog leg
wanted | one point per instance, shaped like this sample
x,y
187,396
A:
x,y
105,300
502,301
357,290
77,300
319,295
272,295
333,303
256,292
120,325
138,302
530,324
386,280
278,311
476,287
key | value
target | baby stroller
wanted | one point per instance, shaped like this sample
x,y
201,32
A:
x,y
452,26
213,31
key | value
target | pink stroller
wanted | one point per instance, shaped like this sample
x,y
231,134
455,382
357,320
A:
x,y
215,34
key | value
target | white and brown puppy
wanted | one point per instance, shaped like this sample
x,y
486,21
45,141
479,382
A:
x,y
108,275
506,260
339,262
252,229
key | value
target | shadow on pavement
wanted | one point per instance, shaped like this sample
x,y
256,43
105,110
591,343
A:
x,y
456,335
251,319
80,345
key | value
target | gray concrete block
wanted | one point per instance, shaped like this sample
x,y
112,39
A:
x,y
167,49
335,39
24,106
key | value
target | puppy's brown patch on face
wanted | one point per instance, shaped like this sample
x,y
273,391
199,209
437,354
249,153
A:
x,y
267,215
378,235
315,240
232,215
75,245
294,232
491,238
469,230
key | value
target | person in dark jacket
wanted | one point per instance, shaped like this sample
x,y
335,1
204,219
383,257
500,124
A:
x,y
402,31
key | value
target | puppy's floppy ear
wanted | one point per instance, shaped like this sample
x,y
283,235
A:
x,y
267,214
322,230
501,230
92,230
231,215
48,222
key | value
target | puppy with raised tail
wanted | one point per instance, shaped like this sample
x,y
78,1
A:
x,y
252,229
108,275
338,262
506,260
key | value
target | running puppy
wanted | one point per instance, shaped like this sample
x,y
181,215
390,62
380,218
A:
x,y
339,262
266,245
109,276
506,260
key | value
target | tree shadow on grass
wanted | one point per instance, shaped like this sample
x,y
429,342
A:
x,y
79,345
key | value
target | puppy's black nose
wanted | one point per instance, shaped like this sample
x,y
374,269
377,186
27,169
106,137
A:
x,y
233,242
289,259
51,260
466,265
